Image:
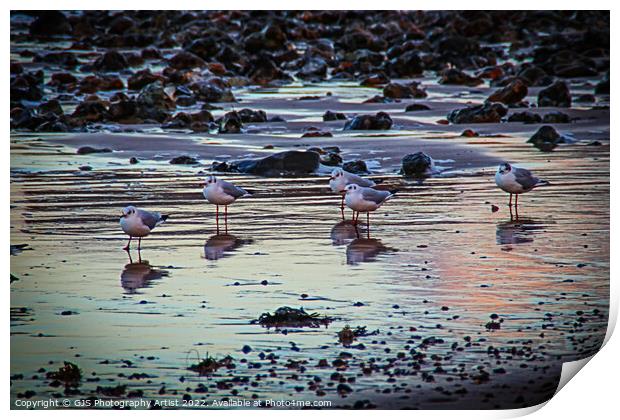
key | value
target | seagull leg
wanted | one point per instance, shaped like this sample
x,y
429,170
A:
x,y
127,246
517,206
129,255
217,218
511,216
510,201
226,219
368,225
139,243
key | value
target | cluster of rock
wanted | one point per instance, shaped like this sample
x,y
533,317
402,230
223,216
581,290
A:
x,y
203,56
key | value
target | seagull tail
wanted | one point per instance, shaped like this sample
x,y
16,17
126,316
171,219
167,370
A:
x,y
249,192
164,217
542,183
394,191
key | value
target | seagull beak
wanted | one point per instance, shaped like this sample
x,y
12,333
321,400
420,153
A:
x,y
331,178
123,215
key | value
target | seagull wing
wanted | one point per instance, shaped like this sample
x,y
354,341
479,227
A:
x,y
150,218
233,190
376,196
525,178
362,182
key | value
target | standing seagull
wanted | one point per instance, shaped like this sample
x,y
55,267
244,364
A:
x,y
341,178
139,223
516,181
221,193
363,199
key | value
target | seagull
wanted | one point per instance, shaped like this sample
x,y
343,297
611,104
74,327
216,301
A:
x,y
139,223
516,181
340,178
221,193
364,199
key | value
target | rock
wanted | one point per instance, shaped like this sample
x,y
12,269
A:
x,y
417,164
356,167
180,120
453,76
397,90
124,111
183,160
469,133
93,84
52,106
264,70
525,117
333,116
511,94
534,76
250,116
133,160
380,121
230,124
408,64
375,80
417,107
602,87
141,78
186,60
546,138
313,68
288,163
91,111
489,112
557,95
556,117
85,168
316,133
154,103
111,61
331,159
213,90
49,23
87,150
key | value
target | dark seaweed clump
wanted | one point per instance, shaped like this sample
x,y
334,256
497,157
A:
x,y
347,335
210,364
69,375
290,317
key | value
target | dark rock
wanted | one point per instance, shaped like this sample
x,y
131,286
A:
x,y
534,76
154,103
331,159
557,94
333,116
469,133
602,87
111,61
416,165
250,116
141,78
230,124
133,160
546,138
397,90
87,150
284,163
316,133
488,112
186,60
91,111
183,160
408,64
556,118
49,23
356,167
525,117
213,90
380,121
264,70
453,76
417,107
511,94
180,120
52,106
375,80
93,84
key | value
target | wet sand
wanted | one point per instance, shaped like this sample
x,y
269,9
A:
x,y
439,263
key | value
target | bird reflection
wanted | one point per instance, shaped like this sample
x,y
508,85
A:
x,y
517,231
219,246
343,232
140,275
365,250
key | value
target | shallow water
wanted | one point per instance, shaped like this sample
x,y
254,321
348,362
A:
x,y
437,262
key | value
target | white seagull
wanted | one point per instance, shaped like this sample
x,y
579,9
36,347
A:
x,y
221,193
139,223
516,181
340,178
364,199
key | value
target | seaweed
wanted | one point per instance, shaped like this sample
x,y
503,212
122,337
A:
x,y
211,364
291,317
346,336
70,375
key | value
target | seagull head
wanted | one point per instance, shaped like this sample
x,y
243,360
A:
x,y
128,211
336,173
211,179
351,188
504,168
